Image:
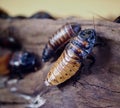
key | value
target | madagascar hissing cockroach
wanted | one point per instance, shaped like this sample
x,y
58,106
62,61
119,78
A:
x,y
71,59
62,36
23,62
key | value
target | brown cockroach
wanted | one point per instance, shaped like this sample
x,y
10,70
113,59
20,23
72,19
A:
x,y
62,36
71,59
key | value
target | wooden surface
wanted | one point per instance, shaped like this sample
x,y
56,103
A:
x,y
100,89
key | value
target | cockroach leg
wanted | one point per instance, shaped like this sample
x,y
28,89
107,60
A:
x,y
88,64
99,42
18,74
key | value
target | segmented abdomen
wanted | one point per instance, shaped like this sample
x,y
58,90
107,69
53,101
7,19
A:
x,y
66,66
61,37
63,69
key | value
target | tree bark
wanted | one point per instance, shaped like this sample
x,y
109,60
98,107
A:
x,y
100,89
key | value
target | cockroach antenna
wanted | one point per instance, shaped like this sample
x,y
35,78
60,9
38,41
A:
x,y
93,22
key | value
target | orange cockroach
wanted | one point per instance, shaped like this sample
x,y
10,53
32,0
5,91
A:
x,y
70,60
60,38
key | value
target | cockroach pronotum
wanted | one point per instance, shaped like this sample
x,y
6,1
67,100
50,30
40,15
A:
x,y
71,59
60,38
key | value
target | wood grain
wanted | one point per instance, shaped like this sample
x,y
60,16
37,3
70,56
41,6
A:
x,y
100,89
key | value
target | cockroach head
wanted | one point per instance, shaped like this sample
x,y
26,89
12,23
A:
x,y
88,35
76,27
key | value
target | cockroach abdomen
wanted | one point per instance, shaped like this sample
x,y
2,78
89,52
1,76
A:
x,y
59,40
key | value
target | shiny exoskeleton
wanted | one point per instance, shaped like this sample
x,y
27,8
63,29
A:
x,y
60,38
23,62
70,60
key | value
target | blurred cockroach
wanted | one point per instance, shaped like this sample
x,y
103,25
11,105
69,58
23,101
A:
x,y
3,14
18,64
60,38
20,17
117,20
10,42
71,59
23,62
42,15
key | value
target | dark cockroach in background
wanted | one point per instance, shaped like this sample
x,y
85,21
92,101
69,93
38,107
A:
x,y
17,62
59,39
38,15
42,15
4,14
20,17
23,62
10,42
117,20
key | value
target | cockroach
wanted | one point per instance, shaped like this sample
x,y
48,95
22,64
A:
x,y
3,14
23,62
60,38
71,59
42,15
117,20
18,64
10,42
20,17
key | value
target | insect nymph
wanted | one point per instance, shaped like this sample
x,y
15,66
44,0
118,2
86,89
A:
x,y
60,38
71,59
